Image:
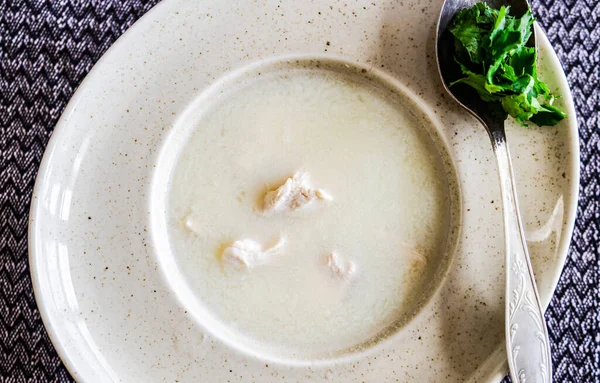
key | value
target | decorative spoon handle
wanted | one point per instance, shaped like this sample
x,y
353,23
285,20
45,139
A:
x,y
527,342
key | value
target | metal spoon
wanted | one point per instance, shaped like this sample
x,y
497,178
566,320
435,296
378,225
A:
x,y
527,344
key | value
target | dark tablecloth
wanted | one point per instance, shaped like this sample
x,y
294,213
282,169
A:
x,y
48,47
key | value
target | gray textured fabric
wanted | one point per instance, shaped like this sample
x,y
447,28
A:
x,y
47,48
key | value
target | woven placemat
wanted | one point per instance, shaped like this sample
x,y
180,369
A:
x,y
48,47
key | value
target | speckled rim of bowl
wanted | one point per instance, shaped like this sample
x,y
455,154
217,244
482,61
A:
x,y
575,170
499,369
49,152
176,139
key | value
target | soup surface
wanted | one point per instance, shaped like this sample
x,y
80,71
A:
x,y
337,272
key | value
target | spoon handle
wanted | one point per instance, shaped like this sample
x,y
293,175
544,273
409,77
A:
x,y
527,343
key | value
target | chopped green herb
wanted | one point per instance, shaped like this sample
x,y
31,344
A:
x,y
491,49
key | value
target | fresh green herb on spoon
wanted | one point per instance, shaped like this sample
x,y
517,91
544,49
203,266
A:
x,y
491,49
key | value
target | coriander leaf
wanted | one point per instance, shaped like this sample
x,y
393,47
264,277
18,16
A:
x,y
507,38
470,28
476,81
485,14
548,115
519,106
524,84
523,61
470,37
499,24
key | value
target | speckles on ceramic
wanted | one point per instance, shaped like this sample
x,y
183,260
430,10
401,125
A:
x,y
126,324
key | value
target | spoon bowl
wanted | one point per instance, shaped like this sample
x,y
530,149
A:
x,y
448,68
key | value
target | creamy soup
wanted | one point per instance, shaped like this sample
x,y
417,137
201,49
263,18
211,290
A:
x,y
351,260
